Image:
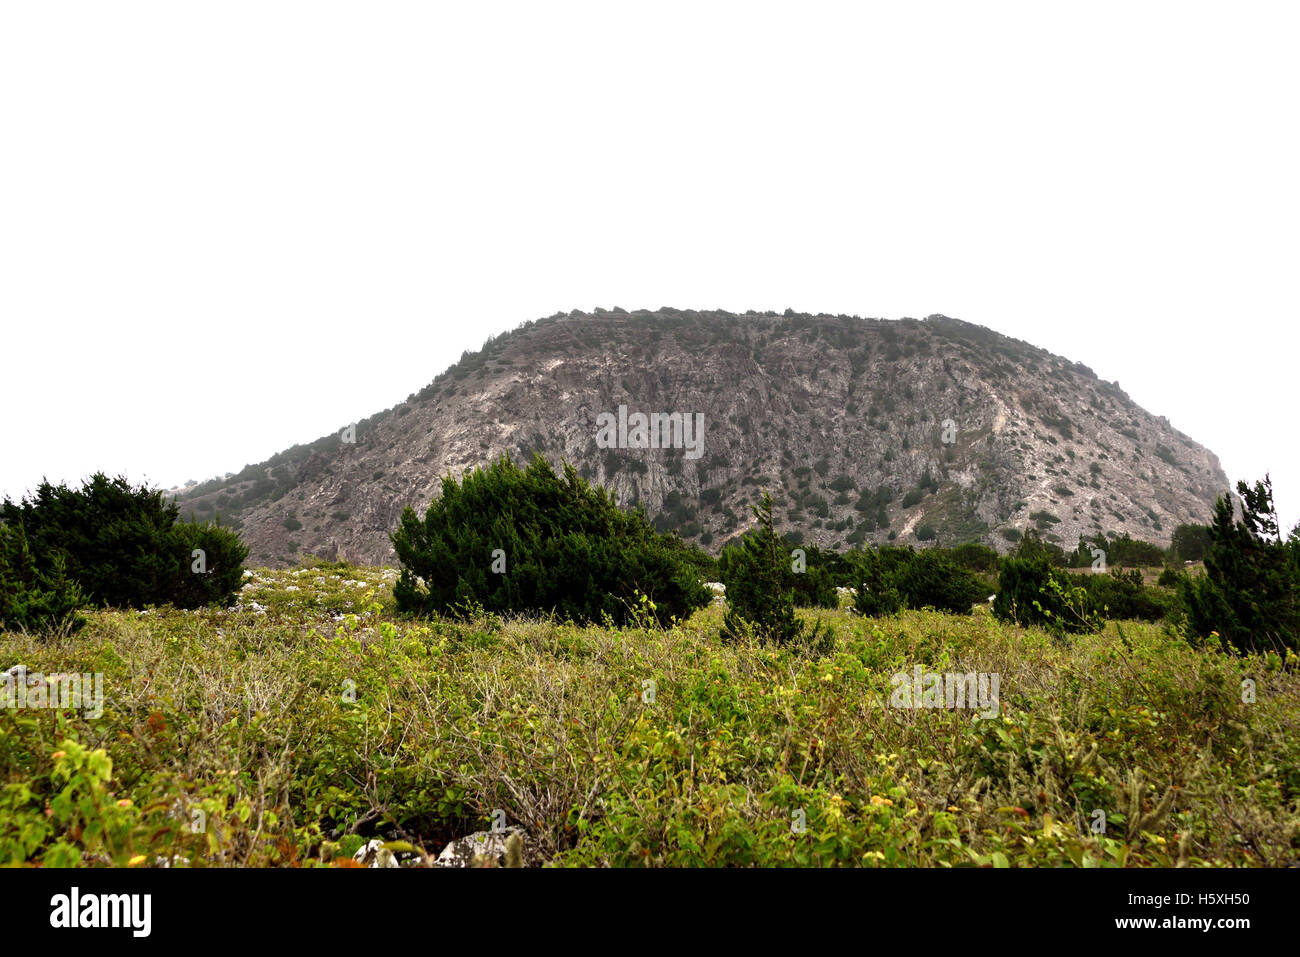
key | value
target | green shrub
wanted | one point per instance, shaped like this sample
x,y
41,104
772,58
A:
x,y
1190,543
1121,596
32,600
1250,592
814,587
931,579
1033,592
125,547
760,598
1033,547
1124,550
976,557
216,565
1170,578
877,597
530,541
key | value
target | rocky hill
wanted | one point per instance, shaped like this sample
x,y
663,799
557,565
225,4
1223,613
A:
x,y
914,431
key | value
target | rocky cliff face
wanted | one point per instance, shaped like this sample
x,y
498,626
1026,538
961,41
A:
x,y
863,430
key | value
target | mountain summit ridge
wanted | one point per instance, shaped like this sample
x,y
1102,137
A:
x,y
934,430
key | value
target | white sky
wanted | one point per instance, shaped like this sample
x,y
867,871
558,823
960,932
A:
x,y
229,227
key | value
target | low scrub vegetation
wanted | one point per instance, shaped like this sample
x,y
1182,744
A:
x,y
530,541
32,599
312,717
586,690
119,545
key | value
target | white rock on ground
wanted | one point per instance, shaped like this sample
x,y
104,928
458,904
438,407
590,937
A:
x,y
375,854
489,845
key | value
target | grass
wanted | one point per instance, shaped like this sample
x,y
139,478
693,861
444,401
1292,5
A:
x,y
282,732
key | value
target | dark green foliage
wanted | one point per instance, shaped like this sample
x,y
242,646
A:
x,y
814,587
893,557
817,505
704,565
1122,551
841,483
566,546
756,574
1082,556
30,599
976,557
1031,591
1128,552
1122,596
931,579
1190,542
1033,548
1250,592
872,506
213,577
124,546
760,592
1170,578
877,597
890,578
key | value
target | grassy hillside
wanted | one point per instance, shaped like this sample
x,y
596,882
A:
x,y
276,733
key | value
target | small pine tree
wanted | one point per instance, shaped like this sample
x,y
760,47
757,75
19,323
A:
x,y
877,597
34,600
1033,548
1250,592
759,598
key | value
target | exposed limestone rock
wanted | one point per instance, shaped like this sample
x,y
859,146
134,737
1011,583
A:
x,y
504,848
824,411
